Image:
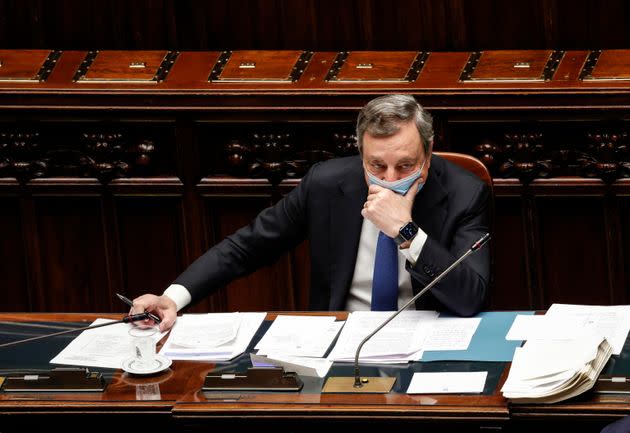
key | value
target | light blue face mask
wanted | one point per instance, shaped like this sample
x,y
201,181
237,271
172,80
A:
x,y
400,186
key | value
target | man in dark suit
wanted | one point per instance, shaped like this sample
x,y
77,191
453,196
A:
x,y
380,226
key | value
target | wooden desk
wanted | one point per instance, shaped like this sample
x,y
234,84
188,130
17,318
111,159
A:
x,y
173,400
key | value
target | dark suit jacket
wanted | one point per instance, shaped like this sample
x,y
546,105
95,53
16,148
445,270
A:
x,y
326,208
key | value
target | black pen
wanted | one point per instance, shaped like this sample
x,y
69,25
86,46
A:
x,y
127,301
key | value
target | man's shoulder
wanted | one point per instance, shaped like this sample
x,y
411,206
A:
x,y
336,169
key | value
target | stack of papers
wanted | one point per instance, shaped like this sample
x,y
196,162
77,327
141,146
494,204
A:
x,y
399,341
211,337
302,365
298,343
552,371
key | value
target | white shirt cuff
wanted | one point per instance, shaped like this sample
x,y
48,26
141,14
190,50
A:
x,y
179,294
413,252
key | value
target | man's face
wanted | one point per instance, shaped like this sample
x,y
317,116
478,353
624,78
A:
x,y
395,157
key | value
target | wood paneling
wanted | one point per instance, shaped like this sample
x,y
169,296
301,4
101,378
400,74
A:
x,y
13,266
72,254
512,284
573,251
434,25
149,231
271,287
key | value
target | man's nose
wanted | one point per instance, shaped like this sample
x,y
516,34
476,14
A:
x,y
391,175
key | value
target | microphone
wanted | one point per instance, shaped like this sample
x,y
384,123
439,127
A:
x,y
126,319
379,384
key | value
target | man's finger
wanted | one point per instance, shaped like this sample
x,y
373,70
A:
x,y
373,189
413,190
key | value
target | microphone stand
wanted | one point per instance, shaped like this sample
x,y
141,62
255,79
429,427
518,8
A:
x,y
126,319
384,385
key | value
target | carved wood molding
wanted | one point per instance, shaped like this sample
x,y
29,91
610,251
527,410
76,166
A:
x,y
275,157
521,155
526,157
105,156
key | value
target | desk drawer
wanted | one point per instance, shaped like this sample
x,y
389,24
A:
x,y
606,65
511,66
376,66
137,67
27,65
260,66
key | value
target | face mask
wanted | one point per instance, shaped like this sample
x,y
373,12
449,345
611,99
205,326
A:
x,y
400,186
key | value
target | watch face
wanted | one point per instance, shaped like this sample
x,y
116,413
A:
x,y
409,230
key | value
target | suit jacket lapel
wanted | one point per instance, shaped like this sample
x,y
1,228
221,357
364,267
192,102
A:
x,y
346,222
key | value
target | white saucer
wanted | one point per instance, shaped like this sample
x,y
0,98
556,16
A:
x,y
161,363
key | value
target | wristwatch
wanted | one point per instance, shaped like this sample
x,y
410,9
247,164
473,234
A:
x,y
406,234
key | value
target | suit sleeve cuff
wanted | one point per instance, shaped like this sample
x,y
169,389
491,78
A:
x,y
179,294
413,252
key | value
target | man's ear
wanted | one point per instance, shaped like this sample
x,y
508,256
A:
x,y
428,157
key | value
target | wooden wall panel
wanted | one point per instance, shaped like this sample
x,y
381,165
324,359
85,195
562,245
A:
x,y
72,254
151,242
270,287
512,288
624,247
13,271
572,251
313,24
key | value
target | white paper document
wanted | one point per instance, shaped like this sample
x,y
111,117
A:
x,y
454,382
211,337
569,322
399,341
299,336
525,327
451,333
302,365
105,347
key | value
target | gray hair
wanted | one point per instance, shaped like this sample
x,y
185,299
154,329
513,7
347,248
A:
x,y
382,116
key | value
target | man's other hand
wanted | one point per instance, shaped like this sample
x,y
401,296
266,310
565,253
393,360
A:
x,y
163,306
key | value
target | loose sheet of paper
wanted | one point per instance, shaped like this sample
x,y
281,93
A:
x,y
569,322
454,382
299,336
525,327
612,322
105,347
450,333
400,340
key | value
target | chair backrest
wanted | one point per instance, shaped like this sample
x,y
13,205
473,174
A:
x,y
470,163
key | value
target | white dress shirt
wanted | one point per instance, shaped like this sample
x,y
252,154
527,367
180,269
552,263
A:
x,y
360,296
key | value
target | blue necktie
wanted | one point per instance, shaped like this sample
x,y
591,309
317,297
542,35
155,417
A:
x,y
385,278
